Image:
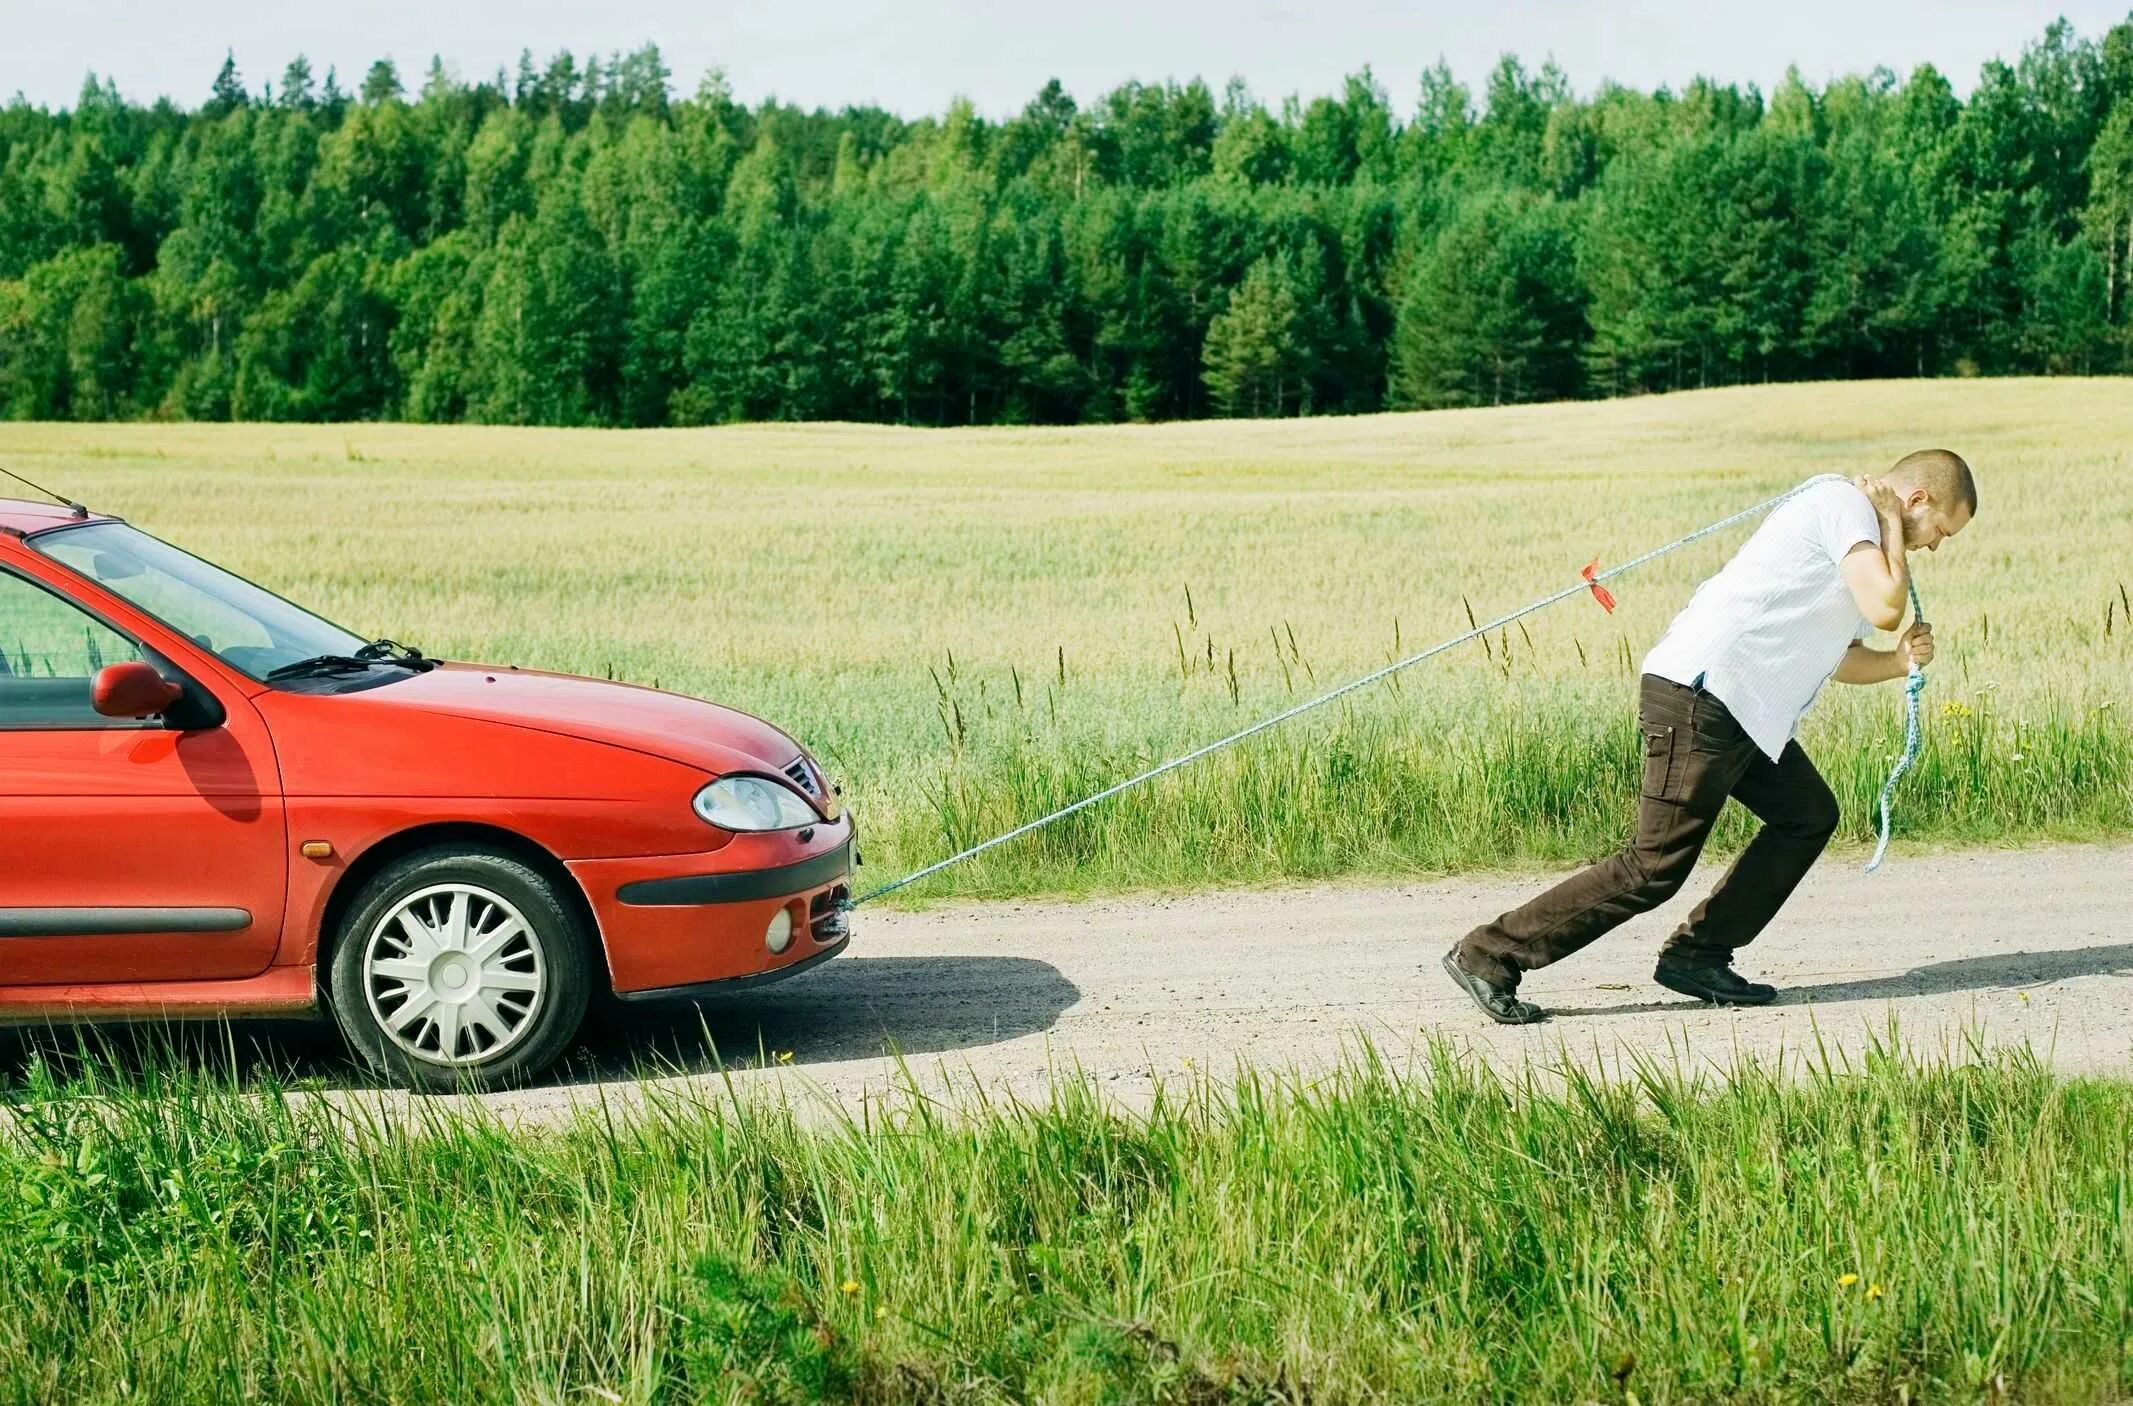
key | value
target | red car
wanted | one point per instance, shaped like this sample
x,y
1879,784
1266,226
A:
x,y
214,803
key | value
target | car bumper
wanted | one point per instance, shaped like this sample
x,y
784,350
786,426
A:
x,y
674,923
719,986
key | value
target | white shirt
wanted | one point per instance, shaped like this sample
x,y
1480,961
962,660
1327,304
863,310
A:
x,y
1769,629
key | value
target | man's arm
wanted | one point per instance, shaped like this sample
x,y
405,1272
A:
x,y
1879,578
1864,664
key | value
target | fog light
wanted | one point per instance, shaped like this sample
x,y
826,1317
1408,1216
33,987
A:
x,y
778,936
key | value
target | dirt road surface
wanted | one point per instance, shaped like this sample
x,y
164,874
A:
x,y
2008,946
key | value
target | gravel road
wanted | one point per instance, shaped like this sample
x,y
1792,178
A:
x,y
2012,946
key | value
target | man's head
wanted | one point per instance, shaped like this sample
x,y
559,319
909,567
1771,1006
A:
x,y
1939,496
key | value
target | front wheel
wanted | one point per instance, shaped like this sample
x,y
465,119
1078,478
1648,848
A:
x,y
460,968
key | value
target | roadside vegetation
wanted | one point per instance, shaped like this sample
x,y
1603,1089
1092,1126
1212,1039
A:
x,y
973,627
1912,1228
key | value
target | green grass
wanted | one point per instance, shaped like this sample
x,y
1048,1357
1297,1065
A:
x,y
1922,1229
974,626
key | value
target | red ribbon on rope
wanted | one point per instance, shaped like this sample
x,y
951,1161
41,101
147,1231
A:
x,y
1599,592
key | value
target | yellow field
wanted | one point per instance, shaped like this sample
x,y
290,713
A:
x,y
828,575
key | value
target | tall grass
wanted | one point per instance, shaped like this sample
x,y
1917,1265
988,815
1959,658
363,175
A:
x,y
1950,1228
971,627
1459,777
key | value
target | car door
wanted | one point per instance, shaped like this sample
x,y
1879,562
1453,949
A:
x,y
129,851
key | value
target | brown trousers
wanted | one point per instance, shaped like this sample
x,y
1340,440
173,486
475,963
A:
x,y
1695,757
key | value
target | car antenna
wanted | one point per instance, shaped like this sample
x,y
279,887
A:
x,y
78,509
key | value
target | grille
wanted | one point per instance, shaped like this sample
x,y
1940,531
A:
x,y
825,920
803,776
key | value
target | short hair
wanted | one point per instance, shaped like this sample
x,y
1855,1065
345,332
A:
x,y
1944,476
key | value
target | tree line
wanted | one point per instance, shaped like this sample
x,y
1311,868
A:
x,y
574,244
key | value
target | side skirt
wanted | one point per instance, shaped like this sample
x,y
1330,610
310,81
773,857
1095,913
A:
x,y
277,991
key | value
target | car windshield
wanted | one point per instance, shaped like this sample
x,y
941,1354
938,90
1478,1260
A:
x,y
247,627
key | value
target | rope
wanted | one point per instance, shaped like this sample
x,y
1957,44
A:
x,y
1914,685
1583,585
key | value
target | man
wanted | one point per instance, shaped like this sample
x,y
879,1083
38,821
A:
x,y
1722,694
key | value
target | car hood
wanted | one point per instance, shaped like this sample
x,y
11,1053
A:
x,y
685,730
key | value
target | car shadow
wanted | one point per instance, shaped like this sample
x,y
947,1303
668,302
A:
x,y
1997,972
302,1053
852,1008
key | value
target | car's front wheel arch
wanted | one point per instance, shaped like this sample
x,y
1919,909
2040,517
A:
x,y
467,835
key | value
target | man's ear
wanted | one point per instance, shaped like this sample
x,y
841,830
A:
x,y
1917,498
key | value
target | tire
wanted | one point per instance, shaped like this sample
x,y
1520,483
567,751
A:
x,y
496,964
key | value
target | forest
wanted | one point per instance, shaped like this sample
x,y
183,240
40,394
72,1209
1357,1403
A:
x,y
578,243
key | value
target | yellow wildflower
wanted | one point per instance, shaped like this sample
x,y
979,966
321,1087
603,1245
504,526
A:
x,y
1845,1281
850,1286
1874,1291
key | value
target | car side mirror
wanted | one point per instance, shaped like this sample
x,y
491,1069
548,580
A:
x,y
132,690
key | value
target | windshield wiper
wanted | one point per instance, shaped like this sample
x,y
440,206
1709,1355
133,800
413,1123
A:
x,y
389,649
378,654
323,664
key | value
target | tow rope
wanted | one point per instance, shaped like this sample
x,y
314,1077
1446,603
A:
x,y
1913,685
1589,580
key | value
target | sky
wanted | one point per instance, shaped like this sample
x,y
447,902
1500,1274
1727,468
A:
x,y
915,56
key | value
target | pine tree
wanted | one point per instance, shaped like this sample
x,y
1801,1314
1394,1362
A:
x,y
2109,216
1253,364
297,91
228,94
1493,312
381,84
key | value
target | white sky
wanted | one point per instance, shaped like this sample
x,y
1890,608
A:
x,y
914,56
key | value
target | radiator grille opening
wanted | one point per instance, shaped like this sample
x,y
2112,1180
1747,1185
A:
x,y
826,916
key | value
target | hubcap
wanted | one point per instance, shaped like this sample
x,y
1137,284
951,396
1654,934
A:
x,y
453,974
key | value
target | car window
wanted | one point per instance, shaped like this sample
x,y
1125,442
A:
x,y
50,652
211,623
246,626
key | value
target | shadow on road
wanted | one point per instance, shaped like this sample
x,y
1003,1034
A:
x,y
303,1052
2000,972
851,1008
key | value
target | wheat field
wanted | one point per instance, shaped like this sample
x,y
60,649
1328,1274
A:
x,y
972,627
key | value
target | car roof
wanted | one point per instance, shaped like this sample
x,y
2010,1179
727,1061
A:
x,y
22,515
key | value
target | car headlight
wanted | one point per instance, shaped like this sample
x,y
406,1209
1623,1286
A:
x,y
753,803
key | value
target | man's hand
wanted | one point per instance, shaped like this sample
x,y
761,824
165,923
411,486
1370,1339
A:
x,y
1888,506
1915,647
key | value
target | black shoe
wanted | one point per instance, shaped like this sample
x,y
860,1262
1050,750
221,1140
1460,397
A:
x,y
1714,982
1498,1003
